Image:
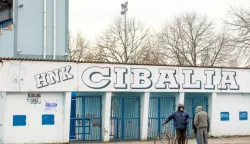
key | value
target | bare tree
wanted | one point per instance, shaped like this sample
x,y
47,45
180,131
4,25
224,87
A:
x,y
238,23
78,47
113,47
190,40
150,53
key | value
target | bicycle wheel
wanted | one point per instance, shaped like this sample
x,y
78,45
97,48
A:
x,y
169,139
174,141
186,141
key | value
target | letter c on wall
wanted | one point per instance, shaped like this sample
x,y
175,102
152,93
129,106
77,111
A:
x,y
93,77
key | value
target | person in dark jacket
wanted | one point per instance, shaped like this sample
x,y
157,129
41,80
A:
x,y
181,119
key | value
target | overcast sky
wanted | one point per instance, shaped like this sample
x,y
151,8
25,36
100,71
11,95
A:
x,y
91,17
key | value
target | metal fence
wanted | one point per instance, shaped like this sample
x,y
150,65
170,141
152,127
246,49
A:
x,y
190,106
159,110
85,118
125,119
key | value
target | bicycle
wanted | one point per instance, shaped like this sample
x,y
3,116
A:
x,y
167,137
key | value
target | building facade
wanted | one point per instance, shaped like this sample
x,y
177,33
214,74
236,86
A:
x,y
34,29
58,102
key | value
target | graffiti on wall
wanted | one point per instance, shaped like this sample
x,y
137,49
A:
x,y
34,98
52,77
15,74
50,106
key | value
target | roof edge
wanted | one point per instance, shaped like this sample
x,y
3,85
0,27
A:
x,y
101,62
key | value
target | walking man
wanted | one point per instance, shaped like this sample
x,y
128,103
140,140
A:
x,y
181,119
201,122
195,131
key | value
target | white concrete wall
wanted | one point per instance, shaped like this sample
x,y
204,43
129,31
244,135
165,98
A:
x,y
18,77
212,111
2,105
232,103
34,131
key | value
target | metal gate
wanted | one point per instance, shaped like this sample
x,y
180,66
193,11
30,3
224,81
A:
x,y
159,110
125,119
190,106
85,118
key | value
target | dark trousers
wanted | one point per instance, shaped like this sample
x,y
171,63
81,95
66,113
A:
x,y
181,136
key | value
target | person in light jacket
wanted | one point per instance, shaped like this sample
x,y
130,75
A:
x,y
195,131
202,122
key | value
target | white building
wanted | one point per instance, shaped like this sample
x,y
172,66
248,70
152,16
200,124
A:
x,y
34,29
55,102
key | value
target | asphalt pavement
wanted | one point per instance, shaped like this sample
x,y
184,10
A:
x,y
237,140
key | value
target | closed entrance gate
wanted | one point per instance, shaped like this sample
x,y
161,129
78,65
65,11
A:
x,y
159,110
190,106
125,118
85,118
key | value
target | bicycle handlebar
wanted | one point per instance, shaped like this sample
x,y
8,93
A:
x,y
166,125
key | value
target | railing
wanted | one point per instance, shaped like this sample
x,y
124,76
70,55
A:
x,y
6,18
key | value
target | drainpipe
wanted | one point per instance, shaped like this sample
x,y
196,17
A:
x,y
54,26
49,41
15,22
44,29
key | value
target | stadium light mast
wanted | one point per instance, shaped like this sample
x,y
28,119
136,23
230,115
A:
x,y
123,12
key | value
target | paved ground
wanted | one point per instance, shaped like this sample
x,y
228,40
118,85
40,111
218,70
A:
x,y
241,140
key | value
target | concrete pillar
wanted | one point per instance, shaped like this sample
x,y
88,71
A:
x,y
180,99
106,107
212,111
66,119
144,115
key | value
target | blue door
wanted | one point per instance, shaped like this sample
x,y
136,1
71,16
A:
x,y
125,118
85,118
190,106
159,110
